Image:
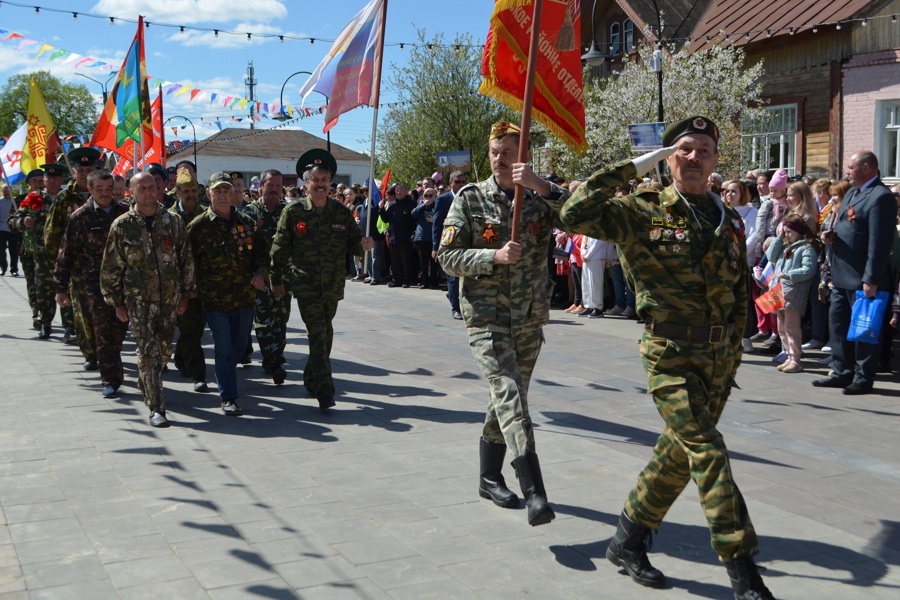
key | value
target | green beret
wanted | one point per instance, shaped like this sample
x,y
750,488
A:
x,y
689,126
317,157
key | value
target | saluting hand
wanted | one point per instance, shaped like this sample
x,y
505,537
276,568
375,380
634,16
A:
x,y
508,254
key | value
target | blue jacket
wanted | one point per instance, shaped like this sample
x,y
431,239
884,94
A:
x,y
424,215
362,211
442,206
800,267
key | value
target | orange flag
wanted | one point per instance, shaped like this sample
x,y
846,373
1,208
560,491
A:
x,y
559,89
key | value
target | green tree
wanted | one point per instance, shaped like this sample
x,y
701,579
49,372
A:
x,y
439,109
72,107
714,83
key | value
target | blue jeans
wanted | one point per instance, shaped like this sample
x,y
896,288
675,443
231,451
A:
x,y
375,260
620,288
453,292
231,332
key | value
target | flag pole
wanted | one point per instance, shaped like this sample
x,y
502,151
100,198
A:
x,y
372,184
527,103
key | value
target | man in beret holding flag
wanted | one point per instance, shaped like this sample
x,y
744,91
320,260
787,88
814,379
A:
x,y
505,300
684,251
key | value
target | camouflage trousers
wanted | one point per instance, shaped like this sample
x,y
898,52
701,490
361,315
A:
x,y
690,384
153,328
507,361
27,261
189,358
272,314
67,316
317,314
110,332
84,327
44,287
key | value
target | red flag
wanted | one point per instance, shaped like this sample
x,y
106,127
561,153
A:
x,y
559,89
385,181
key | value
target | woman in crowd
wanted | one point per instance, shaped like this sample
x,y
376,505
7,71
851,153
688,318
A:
x,y
772,210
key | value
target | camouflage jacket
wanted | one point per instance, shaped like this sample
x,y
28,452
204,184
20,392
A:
x,y
16,222
266,220
187,217
83,245
674,278
153,266
500,297
228,253
311,246
63,206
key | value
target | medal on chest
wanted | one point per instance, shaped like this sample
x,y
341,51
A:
x,y
534,230
242,238
301,227
489,235
851,215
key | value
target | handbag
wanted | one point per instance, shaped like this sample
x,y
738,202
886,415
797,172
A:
x,y
866,317
772,300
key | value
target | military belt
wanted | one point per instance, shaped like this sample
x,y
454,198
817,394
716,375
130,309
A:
x,y
713,334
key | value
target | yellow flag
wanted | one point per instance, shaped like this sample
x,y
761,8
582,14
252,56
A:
x,y
42,140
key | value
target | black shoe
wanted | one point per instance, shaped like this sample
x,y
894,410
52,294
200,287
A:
x,y
35,324
628,549
831,382
278,375
200,386
110,391
857,389
15,273
245,360
69,336
374,283
392,284
405,286
885,367
773,350
90,366
595,314
46,330
585,313
158,419
231,409
491,484
746,580
528,471
326,401
457,315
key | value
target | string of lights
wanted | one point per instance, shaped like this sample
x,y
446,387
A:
x,y
281,37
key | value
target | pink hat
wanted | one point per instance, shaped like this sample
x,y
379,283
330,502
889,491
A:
x,y
779,180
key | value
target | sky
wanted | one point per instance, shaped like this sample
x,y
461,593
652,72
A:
x,y
200,60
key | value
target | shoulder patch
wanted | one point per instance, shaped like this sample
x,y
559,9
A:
x,y
448,236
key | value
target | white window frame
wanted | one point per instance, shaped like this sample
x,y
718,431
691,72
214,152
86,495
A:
x,y
757,145
887,134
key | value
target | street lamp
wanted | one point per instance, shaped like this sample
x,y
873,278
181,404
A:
x,y
656,67
103,86
594,57
195,135
283,116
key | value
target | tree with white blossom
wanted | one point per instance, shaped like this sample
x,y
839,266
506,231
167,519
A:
x,y
715,83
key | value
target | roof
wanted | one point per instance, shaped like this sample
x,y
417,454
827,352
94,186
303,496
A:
x,y
265,143
679,17
776,16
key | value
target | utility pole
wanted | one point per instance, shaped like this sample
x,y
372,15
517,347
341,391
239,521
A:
x,y
250,81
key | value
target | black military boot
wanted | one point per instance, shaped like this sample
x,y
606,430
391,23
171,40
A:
x,y
492,485
628,549
746,580
528,471
46,330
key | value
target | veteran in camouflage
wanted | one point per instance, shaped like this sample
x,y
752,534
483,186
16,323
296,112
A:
x,y
272,312
81,251
33,255
148,276
189,358
231,257
505,292
684,252
72,196
309,252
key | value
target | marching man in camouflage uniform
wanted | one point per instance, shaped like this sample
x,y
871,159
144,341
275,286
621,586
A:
x,y
84,162
148,276
189,358
505,290
684,251
34,258
313,237
81,251
272,312
53,184
232,261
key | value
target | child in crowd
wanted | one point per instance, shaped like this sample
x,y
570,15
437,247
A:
x,y
771,211
794,255
592,278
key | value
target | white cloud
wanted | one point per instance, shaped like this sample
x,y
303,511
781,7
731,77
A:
x,y
209,39
189,12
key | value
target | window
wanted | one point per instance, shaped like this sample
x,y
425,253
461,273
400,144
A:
x,y
628,30
615,39
889,152
774,144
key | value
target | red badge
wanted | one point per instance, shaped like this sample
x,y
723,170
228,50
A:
x,y
490,235
850,214
301,227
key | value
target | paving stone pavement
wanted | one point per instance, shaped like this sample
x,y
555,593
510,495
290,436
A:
x,y
379,500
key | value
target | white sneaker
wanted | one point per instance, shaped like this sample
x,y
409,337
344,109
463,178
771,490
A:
x,y
826,348
813,344
615,311
748,346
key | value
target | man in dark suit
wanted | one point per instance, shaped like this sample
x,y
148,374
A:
x,y
441,208
861,248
